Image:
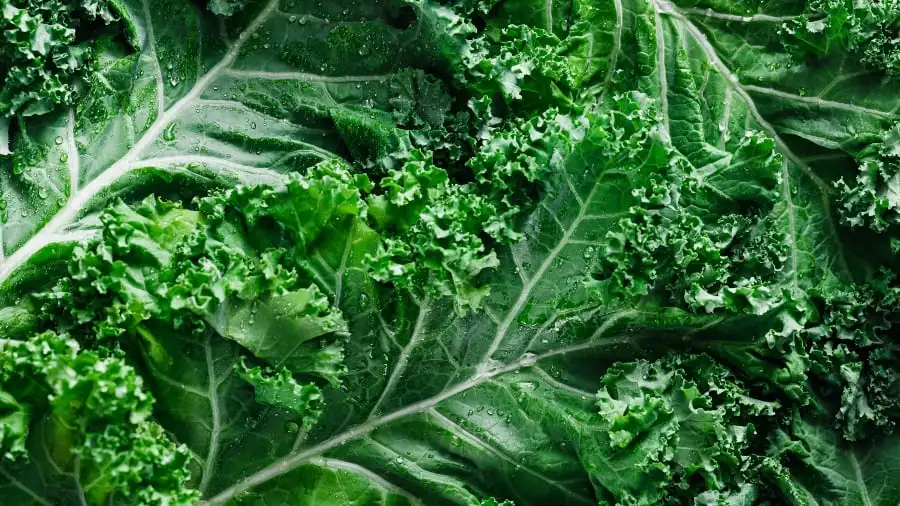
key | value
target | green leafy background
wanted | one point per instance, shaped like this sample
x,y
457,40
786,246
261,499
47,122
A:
x,y
589,252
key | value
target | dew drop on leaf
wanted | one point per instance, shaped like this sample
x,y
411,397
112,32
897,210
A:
x,y
169,133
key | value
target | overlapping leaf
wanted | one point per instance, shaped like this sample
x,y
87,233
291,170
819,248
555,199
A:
x,y
536,191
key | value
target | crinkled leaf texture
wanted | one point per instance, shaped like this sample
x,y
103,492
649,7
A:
x,y
455,253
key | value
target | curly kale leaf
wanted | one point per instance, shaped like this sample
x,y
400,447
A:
x,y
92,415
236,266
701,238
683,427
872,198
45,54
440,228
868,28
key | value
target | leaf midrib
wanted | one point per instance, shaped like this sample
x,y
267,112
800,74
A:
x,y
860,480
372,476
456,429
666,7
154,55
291,461
24,488
820,102
125,164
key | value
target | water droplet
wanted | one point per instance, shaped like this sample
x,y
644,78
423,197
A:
x,y
42,193
292,19
59,141
169,133
303,20
479,409
490,412
64,157
802,92
253,125
292,427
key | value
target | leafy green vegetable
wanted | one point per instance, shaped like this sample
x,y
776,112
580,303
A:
x,y
46,51
867,28
88,417
870,198
455,252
